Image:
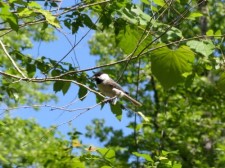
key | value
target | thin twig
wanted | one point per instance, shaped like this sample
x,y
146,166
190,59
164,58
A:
x,y
135,114
67,38
13,62
69,121
73,47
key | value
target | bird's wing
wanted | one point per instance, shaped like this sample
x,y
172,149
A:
x,y
113,84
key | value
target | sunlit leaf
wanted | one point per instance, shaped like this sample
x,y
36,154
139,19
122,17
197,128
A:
x,y
194,15
159,2
25,12
143,155
218,33
129,39
107,154
106,167
9,17
34,5
206,47
163,158
146,2
210,32
50,18
169,65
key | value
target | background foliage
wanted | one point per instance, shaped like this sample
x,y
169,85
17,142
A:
x,y
168,54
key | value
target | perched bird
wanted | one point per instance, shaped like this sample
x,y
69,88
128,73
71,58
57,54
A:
x,y
110,88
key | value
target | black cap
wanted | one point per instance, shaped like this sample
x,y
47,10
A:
x,y
98,74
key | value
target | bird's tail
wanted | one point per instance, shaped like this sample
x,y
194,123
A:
x,y
132,100
123,94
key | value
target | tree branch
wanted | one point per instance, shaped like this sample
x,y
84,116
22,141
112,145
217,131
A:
x,y
13,62
135,57
41,80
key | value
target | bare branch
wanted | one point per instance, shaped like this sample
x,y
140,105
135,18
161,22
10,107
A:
x,y
41,80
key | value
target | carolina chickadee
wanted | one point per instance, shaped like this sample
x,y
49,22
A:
x,y
110,88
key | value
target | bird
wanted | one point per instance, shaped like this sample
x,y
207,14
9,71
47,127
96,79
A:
x,y
108,87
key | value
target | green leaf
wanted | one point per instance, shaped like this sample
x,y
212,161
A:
x,y
23,12
194,15
50,18
105,20
88,22
99,99
9,17
77,163
146,2
147,157
107,154
106,167
221,82
58,85
177,165
34,5
163,158
165,153
173,34
218,33
135,15
175,152
66,87
82,92
4,160
67,23
31,69
160,3
210,32
56,72
117,110
129,37
206,47
168,65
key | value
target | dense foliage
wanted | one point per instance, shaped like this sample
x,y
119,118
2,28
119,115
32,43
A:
x,y
168,54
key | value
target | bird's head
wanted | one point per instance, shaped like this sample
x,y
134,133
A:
x,y
100,76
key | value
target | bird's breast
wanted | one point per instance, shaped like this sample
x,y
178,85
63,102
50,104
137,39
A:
x,y
107,90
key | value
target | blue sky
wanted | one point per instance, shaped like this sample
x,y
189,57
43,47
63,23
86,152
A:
x,y
46,117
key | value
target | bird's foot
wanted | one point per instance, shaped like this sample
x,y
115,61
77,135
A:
x,y
112,100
